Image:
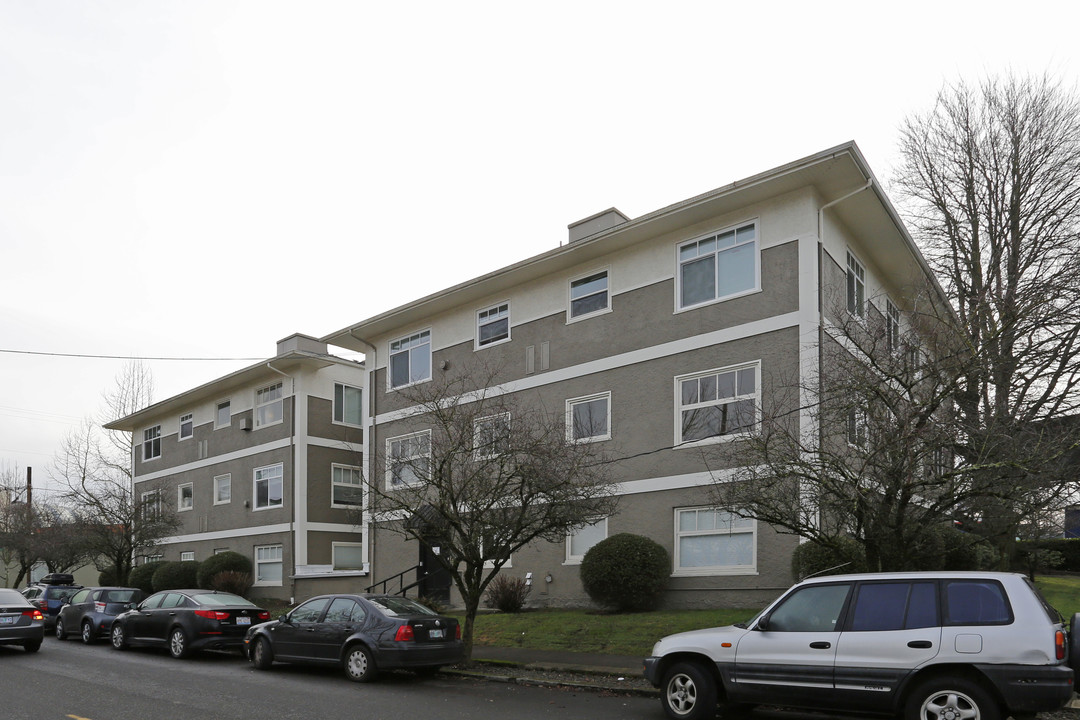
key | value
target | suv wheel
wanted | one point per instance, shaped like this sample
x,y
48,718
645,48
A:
x,y
950,697
688,692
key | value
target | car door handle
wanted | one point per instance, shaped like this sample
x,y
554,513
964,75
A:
x,y
920,644
821,645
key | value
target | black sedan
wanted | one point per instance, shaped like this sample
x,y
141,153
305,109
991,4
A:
x,y
91,611
21,622
362,634
187,620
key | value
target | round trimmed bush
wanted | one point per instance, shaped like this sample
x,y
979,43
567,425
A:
x,y
176,575
626,572
142,576
109,576
227,561
812,558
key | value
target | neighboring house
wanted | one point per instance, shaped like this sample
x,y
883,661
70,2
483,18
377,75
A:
x,y
264,462
673,328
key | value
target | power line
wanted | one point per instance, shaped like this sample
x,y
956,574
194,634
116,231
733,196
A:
x,y
127,357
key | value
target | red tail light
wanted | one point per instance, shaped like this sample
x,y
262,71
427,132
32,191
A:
x,y
99,607
404,634
264,615
43,604
213,614
33,614
1059,644
457,631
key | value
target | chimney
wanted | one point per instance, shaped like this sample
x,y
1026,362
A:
x,y
596,224
300,343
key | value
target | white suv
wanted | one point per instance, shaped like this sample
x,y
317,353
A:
x,y
928,646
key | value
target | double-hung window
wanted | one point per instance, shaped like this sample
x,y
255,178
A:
x,y
223,416
856,287
407,459
187,426
185,497
151,505
410,359
151,443
709,541
857,429
491,436
347,556
589,295
347,489
580,541
269,405
268,565
492,325
268,487
348,404
718,266
588,419
715,404
223,489
892,327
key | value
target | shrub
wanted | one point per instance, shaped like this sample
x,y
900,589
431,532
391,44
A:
x,y
110,576
626,572
507,594
142,576
232,581
222,562
176,575
812,558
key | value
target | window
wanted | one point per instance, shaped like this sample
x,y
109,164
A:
x,y
309,612
346,488
491,436
347,404
348,556
856,427
579,541
268,487
187,556
185,497
718,266
344,610
710,542
715,404
187,426
894,606
588,419
815,608
410,360
892,327
269,405
407,459
856,287
151,447
223,418
976,602
493,325
589,295
151,505
268,565
223,489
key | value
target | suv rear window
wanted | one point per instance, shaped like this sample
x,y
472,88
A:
x,y
976,602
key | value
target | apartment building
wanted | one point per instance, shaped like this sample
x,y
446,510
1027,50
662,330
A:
x,y
266,462
674,328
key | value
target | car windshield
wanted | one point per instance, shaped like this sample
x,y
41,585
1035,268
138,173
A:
x,y
222,599
120,596
401,606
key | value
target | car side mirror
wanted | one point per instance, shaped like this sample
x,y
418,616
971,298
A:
x,y
763,623
285,619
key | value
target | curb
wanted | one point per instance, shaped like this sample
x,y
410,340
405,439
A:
x,y
507,675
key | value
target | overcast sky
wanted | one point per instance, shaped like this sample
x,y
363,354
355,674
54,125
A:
x,y
193,179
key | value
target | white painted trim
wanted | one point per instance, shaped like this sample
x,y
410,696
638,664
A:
x,y
571,402
570,300
477,325
228,534
756,222
216,459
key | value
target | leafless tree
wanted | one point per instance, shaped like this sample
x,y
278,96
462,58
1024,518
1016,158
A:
x,y
990,181
490,472
16,528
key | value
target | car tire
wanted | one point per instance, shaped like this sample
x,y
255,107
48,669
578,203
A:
x,y
951,697
359,665
32,646
262,656
178,644
688,692
117,637
59,630
86,633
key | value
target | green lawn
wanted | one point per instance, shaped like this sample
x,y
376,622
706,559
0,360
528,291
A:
x,y
1061,591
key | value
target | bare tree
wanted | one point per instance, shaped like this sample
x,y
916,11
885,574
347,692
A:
x,y
490,472
990,180
16,527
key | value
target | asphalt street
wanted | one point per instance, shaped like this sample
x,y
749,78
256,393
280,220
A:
x,y
71,681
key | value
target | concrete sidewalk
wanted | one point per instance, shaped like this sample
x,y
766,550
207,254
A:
x,y
562,659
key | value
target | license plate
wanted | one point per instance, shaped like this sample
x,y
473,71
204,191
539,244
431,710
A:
x,y
7,620
435,634
243,621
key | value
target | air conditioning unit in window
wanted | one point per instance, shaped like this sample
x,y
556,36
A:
x,y
245,423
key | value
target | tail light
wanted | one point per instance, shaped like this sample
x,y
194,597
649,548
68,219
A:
x,y
33,614
457,631
213,614
404,633
264,614
1059,644
43,604
99,607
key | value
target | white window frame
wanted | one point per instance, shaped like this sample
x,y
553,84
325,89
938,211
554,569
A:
x,y
489,316
390,484
188,420
151,505
341,406
702,251
855,287
279,400
255,480
257,562
333,555
724,437
571,403
570,316
575,559
490,564
856,427
151,443
218,407
409,344
335,484
478,443
180,506
219,482
187,556
750,569
892,327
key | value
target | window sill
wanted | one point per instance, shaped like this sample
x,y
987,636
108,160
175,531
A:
x,y
718,572
586,316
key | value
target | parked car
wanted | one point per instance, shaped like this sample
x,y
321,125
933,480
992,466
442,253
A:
x,y
922,646
91,611
50,593
21,622
362,634
185,621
